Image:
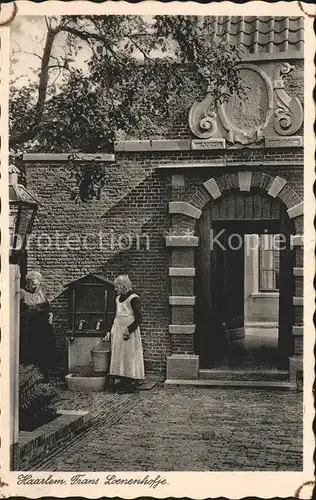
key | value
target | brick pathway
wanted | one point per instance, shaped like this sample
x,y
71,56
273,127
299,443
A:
x,y
192,429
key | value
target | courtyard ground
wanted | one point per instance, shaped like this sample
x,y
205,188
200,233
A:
x,y
193,429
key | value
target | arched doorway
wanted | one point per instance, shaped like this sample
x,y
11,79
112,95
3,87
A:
x,y
231,229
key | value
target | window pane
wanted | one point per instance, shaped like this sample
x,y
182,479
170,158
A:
x,y
269,261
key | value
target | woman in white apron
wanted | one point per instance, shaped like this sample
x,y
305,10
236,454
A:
x,y
127,361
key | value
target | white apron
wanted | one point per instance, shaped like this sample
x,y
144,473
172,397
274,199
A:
x,y
126,355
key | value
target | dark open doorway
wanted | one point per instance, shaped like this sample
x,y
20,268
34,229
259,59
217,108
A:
x,y
224,337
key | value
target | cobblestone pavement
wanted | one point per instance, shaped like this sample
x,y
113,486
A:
x,y
193,429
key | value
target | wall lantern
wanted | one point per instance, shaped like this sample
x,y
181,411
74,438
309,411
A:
x,y
23,208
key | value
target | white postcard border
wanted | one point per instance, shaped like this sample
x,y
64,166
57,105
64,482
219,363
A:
x,y
179,484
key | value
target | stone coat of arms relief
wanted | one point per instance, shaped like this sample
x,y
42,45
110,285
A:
x,y
264,109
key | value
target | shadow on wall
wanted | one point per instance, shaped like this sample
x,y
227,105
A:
x,y
139,216
141,212
136,208
148,270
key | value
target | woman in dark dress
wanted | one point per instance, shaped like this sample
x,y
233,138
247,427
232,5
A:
x,y
36,336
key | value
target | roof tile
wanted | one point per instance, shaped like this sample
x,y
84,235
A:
x,y
260,34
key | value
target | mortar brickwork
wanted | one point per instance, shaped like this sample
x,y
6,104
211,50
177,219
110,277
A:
x,y
135,201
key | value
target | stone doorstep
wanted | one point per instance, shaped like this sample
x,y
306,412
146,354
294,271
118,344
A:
x,y
35,445
266,332
266,375
238,384
262,324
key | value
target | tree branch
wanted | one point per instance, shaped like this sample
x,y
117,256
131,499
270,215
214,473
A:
x,y
138,47
88,36
45,67
85,35
42,90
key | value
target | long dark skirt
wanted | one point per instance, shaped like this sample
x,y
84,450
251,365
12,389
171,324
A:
x,y
37,340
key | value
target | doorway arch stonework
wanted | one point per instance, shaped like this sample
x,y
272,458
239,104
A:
x,y
182,240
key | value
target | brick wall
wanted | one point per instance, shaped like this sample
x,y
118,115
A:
x,y
134,202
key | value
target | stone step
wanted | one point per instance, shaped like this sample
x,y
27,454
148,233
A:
x,y
263,332
262,324
238,384
272,375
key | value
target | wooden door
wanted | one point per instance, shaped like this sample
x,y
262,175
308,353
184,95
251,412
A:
x,y
227,287
220,273
286,292
219,290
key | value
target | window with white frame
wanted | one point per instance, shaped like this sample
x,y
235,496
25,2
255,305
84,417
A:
x,y
269,264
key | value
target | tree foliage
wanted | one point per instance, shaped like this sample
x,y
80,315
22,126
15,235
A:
x,y
139,74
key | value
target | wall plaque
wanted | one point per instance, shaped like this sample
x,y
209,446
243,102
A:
x,y
284,142
208,144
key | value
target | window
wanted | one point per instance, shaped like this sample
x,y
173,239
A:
x,y
269,264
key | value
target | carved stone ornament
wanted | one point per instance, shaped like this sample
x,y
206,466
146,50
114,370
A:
x,y
245,118
288,110
202,118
